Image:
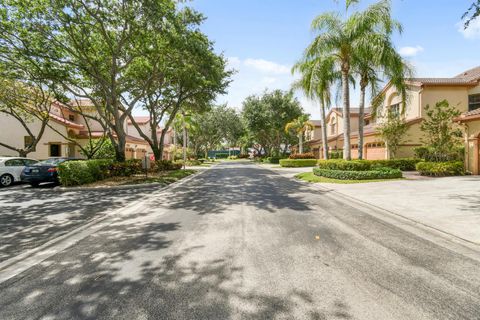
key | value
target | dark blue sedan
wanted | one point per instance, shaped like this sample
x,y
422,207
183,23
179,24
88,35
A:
x,y
44,171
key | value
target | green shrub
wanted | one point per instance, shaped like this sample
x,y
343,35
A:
x,y
335,154
243,156
441,169
378,173
405,164
346,165
295,163
431,155
166,165
127,168
73,173
308,155
233,157
364,165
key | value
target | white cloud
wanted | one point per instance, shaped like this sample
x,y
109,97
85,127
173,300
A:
x,y
267,66
410,51
473,30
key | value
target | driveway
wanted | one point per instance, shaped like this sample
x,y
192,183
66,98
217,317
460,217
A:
x,y
243,242
450,204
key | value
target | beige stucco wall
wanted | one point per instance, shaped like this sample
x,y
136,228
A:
x,y
456,96
13,134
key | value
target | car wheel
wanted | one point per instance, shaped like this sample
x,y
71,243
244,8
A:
x,y
6,180
34,184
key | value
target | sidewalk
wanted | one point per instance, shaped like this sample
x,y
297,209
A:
x,y
451,204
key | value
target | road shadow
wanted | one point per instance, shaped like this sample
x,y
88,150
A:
x,y
30,217
133,269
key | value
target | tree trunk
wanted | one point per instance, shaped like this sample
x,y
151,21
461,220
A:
x,y
324,131
300,143
361,121
22,153
120,148
346,113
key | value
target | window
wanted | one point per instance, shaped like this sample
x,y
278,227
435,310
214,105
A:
x,y
333,126
27,141
71,117
28,162
395,109
14,163
473,102
55,150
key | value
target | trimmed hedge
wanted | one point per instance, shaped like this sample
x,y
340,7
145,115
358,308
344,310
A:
x,y
378,173
307,155
441,169
340,164
295,163
73,173
406,164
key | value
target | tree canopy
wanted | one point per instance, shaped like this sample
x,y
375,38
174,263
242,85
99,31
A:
x,y
265,117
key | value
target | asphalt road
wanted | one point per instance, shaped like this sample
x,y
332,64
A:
x,y
242,242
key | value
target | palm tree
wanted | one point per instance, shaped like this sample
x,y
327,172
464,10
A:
x,y
316,79
341,39
299,126
377,55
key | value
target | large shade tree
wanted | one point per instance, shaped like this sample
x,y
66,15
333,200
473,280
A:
x,y
115,53
265,117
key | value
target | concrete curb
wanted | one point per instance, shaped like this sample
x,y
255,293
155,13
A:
x,y
25,260
123,187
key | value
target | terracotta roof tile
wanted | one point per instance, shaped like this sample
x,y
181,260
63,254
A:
x,y
472,74
471,113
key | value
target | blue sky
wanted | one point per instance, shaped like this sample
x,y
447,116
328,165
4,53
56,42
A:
x,y
263,38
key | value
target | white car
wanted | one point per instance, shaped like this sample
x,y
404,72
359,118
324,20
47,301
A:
x,y
11,168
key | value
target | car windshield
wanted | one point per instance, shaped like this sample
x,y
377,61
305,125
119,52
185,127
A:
x,y
53,161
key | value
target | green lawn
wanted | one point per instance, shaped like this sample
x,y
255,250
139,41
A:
x,y
310,177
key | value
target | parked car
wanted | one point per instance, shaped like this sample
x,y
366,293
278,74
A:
x,y
43,171
11,169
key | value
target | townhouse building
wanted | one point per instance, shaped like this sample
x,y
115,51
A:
x,y
461,91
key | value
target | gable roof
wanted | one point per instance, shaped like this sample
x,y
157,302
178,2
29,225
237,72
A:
x,y
467,78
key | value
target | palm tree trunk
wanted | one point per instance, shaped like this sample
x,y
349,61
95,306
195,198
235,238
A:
x,y
361,121
346,114
324,131
300,143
